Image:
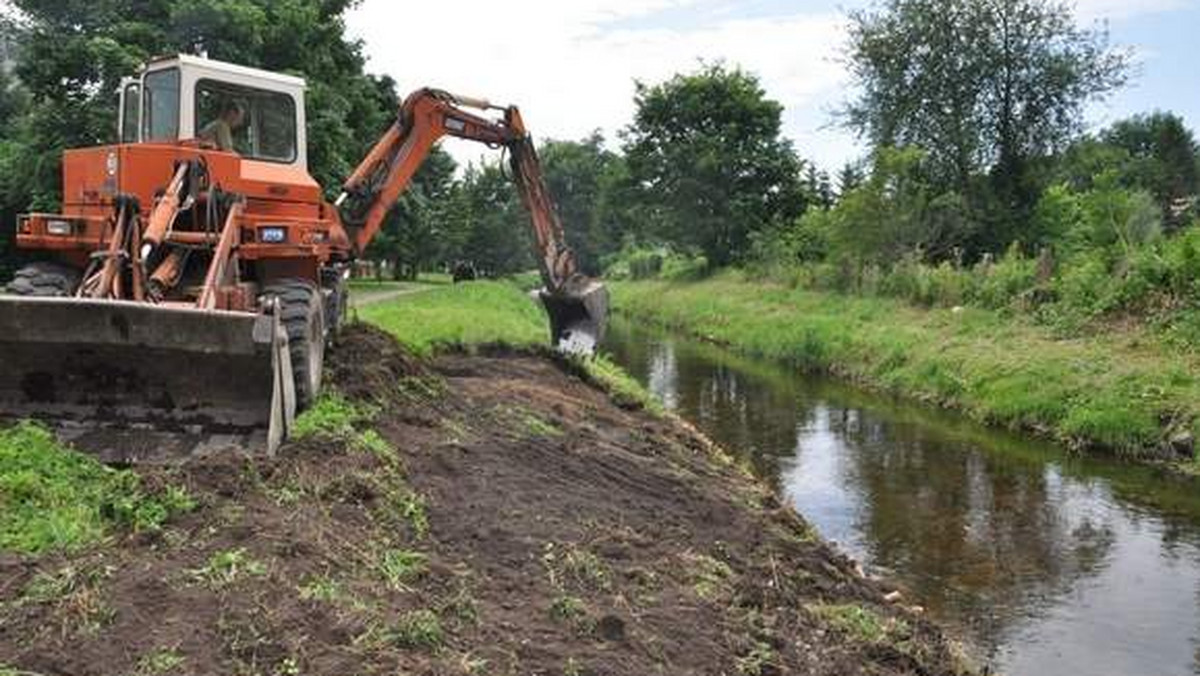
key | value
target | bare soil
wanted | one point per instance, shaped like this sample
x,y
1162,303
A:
x,y
560,534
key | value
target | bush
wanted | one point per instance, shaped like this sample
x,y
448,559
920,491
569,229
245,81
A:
x,y
635,262
999,285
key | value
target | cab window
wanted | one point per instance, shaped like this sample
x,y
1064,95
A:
x,y
131,100
160,106
259,124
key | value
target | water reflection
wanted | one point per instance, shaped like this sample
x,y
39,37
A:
x,y
1048,565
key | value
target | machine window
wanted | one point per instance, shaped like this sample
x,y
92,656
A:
x,y
161,105
131,105
256,123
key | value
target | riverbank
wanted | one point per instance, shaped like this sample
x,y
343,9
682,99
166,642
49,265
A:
x,y
478,509
1120,392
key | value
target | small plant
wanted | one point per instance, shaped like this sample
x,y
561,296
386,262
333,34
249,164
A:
x,y
758,661
419,629
400,566
225,567
75,592
408,506
332,416
709,576
571,564
159,662
321,588
572,667
371,442
567,608
532,424
572,610
288,666
861,624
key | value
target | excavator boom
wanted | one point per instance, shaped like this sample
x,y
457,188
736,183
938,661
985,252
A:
x,y
576,305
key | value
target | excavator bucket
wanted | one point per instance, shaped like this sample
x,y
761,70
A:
x,y
578,315
137,383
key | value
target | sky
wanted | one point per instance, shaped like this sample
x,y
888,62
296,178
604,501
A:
x,y
571,64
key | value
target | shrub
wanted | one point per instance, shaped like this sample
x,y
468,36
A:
x,y
1000,284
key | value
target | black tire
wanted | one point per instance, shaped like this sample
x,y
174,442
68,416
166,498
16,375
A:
x,y
303,318
44,279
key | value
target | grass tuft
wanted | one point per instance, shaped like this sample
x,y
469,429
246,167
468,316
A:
x,y
401,566
226,567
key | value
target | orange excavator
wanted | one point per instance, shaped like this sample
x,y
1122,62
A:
x,y
187,292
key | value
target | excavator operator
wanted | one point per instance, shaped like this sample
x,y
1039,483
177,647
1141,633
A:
x,y
219,132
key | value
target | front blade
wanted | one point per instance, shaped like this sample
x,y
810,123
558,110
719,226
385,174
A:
x,y
135,382
578,315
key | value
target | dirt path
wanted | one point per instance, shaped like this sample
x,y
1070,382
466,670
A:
x,y
361,297
524,525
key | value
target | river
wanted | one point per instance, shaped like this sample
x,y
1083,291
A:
x,y
1044,563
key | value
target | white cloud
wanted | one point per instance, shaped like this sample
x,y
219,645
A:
x,y
571,64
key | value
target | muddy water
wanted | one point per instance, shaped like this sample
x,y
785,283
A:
x,y
1046,564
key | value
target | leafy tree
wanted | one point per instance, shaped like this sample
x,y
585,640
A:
x,y
1162,158
849,178
708,163
984,86
583,178
412,237
818,190
496,229
896,212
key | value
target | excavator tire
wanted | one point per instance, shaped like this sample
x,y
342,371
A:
x,y
44,279
303,319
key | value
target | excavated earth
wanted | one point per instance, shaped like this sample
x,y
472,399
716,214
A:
x,y
526,524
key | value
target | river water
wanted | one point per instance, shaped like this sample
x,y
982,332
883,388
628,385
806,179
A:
x,y
1044,564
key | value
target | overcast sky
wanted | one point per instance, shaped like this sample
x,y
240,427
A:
x,y
570,64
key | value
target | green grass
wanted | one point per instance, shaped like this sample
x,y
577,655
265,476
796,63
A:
x,y
226,567
401,566
490,312
861,624
463,314
1109,391
54,498
418,629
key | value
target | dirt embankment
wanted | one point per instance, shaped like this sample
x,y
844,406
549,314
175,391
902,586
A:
x,y
524,525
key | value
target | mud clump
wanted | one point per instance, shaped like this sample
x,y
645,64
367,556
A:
x,y
498,515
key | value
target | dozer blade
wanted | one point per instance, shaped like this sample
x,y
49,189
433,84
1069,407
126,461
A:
x,y
578,315
135,382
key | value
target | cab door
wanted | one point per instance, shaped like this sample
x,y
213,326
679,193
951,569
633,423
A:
x,y
129,118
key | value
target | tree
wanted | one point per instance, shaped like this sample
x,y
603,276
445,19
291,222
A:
x,y
497,227
412,237
582,178
984,86
707,161
1163,158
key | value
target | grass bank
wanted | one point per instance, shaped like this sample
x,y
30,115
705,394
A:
x,y
488,313
1123,391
